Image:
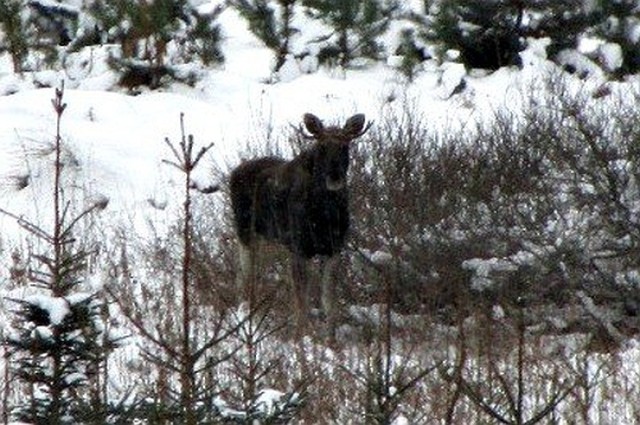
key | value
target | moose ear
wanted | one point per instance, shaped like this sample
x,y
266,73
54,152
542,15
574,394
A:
x,y
314,124
354,125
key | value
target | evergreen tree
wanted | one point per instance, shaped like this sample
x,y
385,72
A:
x,y
58,343
188,342
204,36
490,34
486,33
411,53
55,23
34,26
563,22
271,21
144,31
355,28
13,32
57,351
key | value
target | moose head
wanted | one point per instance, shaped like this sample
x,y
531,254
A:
x,y
331,153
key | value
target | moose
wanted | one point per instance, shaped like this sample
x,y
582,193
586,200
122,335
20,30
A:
x,y
301,204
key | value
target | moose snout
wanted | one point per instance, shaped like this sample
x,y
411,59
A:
x,y
333,183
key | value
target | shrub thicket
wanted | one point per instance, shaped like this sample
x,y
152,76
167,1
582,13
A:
x,y
469,252
535,206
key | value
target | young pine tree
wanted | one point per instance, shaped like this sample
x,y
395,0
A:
x,y
487,34
356,27
147,30
13,30
272,23
57,345
203,37
490,34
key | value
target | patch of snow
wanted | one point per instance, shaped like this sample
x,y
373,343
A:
x,y
270,401
497,312
56,307
42,333
589,45
578,64
536,52
381,258
290,70
401,420
227,412
78,298
75,378
374,314
452,79
483,270
610,56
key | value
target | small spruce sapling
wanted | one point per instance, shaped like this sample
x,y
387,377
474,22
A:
x,y
58,344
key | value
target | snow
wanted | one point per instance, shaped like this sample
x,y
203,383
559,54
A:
x,y
579,63
117,139
269,401
56,307
381,258
610,56
401,420
452,78
484,270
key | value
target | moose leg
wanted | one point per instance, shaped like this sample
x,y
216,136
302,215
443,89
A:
x,y
300,288
247,264
328,287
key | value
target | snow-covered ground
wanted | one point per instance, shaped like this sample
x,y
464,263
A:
x,y
114,142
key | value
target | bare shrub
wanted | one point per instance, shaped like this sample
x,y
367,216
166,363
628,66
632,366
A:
x,y
532,216
543,198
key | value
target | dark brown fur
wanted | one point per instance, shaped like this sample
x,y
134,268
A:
x,y
303,203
